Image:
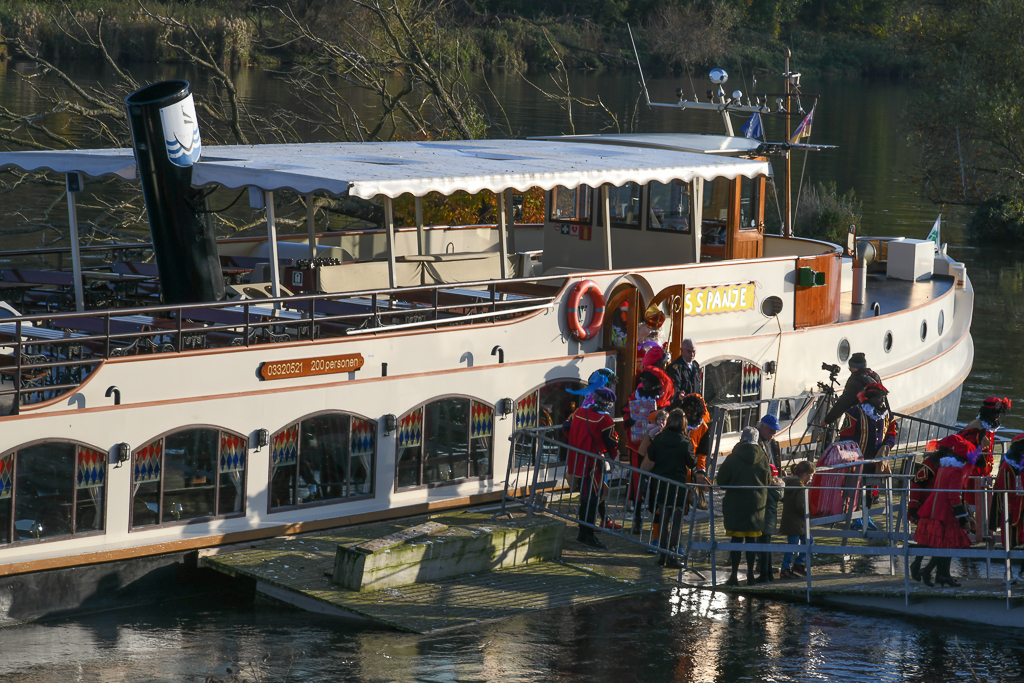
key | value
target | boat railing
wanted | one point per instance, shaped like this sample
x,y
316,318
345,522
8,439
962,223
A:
x,y
536,482
894,540
602,494
45,355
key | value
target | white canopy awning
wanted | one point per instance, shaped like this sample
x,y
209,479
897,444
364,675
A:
x,y
395,168
679,142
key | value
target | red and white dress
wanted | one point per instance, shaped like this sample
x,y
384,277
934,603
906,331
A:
x,y
942,510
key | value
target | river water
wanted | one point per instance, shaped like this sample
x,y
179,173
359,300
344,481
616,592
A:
x,y
684,636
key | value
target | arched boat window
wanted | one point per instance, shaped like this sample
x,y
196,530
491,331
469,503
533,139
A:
x,y
51,490
733,381
547,406
190,474
445,441
330,457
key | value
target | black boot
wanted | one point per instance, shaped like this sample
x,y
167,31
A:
x,y
943,576
751,578
734,560
926,573
591,540
915,568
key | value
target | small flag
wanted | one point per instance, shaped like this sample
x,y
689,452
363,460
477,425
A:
x,y
804,129
752,129
934,234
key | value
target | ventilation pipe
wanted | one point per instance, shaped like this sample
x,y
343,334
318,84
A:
x,y
863,257
165,134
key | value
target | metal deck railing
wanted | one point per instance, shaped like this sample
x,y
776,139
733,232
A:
x,y
537,480
45,355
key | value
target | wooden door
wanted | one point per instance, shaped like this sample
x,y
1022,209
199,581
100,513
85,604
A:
x,y
746,223
670,302
620,325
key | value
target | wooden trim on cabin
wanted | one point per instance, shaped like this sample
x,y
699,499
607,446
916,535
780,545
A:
x,y
278,390
100,557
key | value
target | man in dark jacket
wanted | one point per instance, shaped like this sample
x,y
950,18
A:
x,y
860,377
685,372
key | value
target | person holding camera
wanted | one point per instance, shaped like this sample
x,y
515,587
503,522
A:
x,y
860,377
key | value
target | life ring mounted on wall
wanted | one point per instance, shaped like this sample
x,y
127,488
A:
x,y
585,287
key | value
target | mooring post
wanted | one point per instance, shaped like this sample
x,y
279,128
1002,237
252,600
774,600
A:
x,y
810,541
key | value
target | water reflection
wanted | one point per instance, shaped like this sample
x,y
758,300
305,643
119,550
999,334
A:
x,y
680,636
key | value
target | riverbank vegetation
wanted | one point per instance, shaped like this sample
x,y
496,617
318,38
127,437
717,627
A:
x,y
839,37
414,56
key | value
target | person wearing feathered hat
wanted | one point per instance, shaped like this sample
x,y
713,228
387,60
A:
x,y
590,429
653,392
1010,477
982,433
873,427
944,518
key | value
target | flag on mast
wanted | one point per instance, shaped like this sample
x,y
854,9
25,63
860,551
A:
x,y
934,234
752,129
804,129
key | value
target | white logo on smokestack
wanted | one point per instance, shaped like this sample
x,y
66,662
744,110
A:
x,y
181,132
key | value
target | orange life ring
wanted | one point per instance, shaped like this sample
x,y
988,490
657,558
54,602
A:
x,y
586,287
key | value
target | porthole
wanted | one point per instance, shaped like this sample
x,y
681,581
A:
x,y
887,342
942,322
844,350
771,306
924,330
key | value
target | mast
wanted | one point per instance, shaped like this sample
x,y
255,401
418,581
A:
x,y
787,227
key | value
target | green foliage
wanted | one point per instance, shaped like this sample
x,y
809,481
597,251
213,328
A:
x,y
826,215
998,221
967,117
129,33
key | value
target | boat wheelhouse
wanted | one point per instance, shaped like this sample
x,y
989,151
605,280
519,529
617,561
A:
x,y
379,372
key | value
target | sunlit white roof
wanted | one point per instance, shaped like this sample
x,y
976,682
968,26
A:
x,y
680,142
394,168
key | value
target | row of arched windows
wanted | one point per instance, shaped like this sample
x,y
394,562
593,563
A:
x,y
56,489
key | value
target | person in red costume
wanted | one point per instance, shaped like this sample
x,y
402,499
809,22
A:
x,y
923,483
982,433
1010,477
654,391
873,427
592,430
944,518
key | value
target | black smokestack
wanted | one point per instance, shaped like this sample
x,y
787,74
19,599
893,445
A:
x,y
165,134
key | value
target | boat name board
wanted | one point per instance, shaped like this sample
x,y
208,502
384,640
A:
x,y
718,299
306,367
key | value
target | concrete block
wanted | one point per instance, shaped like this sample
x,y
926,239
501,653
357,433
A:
x,y
450,552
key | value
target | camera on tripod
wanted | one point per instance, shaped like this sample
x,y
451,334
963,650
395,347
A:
x,y
833,371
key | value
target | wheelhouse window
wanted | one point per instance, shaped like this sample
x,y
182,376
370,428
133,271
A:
x,y
51,490
749,202
625,204
670,207
572,205
445,441
190,474
715,212
324,458
732,382
548,406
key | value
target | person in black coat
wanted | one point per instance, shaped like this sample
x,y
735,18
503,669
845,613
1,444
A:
x,y
860,377
670,455
685,372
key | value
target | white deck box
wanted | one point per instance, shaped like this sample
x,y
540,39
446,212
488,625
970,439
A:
x,y
911,260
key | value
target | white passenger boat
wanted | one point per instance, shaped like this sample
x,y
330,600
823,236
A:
x,y
388,382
